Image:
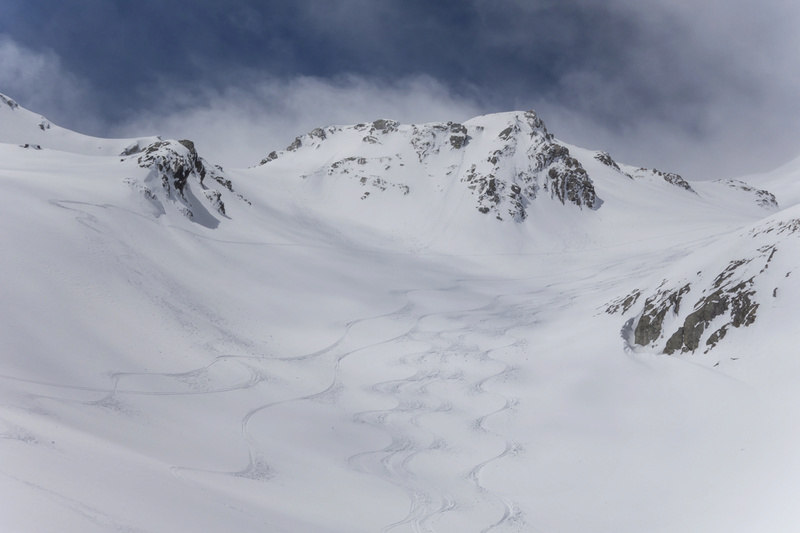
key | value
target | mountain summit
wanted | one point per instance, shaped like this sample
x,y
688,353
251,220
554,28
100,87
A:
x,y
505,160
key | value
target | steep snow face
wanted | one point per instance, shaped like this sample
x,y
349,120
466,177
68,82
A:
x,y
20,126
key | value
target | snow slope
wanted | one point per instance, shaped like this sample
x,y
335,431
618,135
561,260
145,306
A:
x,y
272,349
20,126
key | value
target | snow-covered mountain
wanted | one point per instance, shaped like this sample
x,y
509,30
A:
x,y
388,327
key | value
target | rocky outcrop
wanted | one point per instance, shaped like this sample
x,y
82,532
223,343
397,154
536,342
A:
x,y
669,177
735,301
651,322
179,170
8,101
605,158
622,305
568,181
173,164
761,197
729,297
696,314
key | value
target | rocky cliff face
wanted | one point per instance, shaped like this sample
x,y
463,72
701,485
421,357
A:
x,y
696,312
524,161
183,178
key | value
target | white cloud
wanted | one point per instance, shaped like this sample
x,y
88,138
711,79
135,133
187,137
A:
x,y
39,82
708,88
239,125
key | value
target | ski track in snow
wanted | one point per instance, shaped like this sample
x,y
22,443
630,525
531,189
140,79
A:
x,y
414,402
411,424
87,512
408,424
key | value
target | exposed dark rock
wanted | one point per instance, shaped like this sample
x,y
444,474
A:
x,y
736,299
384,126
687,337
536,123
382,185
189,146
566,178
506,133
570,183
729,301
763,198
296,144
319,133
622,305
216,200
676,179
9,102
341,162
172,166
605,158
135,148
551,168
549,154
779,227
649,327
175,164
459,138
669,177
271,157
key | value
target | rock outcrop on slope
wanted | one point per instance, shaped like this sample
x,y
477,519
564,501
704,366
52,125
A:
x,y
762,197
642,173
183,178
722,290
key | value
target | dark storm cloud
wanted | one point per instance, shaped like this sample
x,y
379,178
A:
x,y
691,86
503,47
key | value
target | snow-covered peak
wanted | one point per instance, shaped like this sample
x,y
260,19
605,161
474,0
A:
x,y
510,122
503,162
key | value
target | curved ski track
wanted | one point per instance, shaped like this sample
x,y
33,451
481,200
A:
x,y
449,398
447,378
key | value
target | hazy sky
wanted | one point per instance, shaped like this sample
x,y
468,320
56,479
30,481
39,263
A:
x,y
707,88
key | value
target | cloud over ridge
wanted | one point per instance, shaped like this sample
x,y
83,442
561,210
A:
x,y
703,88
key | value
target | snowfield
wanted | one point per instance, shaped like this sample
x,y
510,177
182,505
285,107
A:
x,y
190,348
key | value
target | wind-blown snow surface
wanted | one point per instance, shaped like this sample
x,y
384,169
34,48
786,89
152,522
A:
x,y
307,360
